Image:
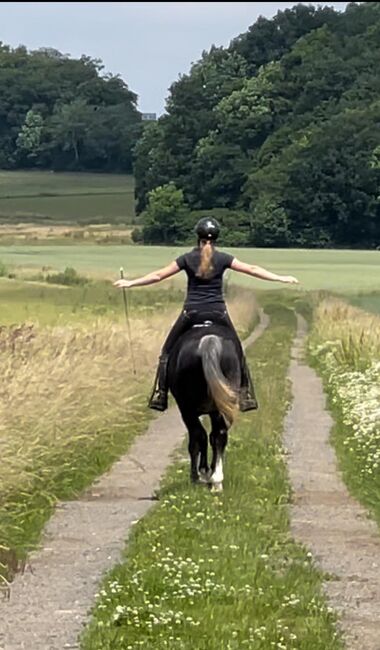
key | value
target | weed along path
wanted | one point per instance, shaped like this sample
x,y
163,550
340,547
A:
x,y
49,603
324,517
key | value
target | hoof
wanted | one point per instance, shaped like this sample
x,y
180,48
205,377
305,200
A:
x,y
216,488
204,476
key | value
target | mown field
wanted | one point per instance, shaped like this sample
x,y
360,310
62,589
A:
x,y
65,198
342,271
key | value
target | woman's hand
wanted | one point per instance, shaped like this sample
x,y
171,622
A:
x,y
288,279
123,284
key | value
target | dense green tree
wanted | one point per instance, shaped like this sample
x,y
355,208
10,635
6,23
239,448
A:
x,y
269,39
60,112
28,143
166,216
279,131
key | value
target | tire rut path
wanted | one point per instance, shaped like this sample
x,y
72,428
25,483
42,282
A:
x,y
49,603
324,517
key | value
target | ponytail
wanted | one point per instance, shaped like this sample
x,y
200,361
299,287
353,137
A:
x,y
205,267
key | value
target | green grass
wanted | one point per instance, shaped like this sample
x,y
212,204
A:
x,y
53,305
359,474
96,433
340,271
210,572
369,302
66,197
62,476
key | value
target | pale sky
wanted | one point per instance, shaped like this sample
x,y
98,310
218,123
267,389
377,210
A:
x,y
148,43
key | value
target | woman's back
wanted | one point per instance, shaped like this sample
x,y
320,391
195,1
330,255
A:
x,y
208,288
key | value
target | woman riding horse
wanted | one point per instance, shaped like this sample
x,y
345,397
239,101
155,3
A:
x,y
204,267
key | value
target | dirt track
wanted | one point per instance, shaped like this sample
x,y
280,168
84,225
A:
x,y
325,518
84,538
49,603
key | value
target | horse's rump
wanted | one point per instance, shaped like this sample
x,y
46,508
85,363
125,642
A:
x,y
205,370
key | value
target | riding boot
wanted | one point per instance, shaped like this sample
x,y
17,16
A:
x,y
247,397
159,397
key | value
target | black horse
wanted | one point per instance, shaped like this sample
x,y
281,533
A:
x,y
204,375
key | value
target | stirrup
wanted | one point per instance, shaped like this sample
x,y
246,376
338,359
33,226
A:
x,y
247,401
159,401
248,404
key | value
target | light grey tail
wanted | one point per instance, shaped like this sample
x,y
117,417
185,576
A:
x,y
225,398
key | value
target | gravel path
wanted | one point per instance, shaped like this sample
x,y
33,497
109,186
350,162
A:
x,y
49,603
344,542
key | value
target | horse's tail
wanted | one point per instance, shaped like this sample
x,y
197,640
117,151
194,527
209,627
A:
x,y
224,396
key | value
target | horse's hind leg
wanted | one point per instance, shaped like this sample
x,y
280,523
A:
x,y
218,439
197,447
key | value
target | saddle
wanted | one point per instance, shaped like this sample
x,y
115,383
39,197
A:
x,y
206,319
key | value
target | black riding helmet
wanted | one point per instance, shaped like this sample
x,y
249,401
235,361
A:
x,y
207,228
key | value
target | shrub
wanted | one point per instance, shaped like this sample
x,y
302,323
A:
x,y
69,277
3,270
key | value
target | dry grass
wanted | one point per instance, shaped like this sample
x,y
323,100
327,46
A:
x,y
356,332
243,309
66,383
29,233
70,403
63,383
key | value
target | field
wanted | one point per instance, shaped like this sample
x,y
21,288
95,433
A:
x,y
368,301
340,271
65,198
66,369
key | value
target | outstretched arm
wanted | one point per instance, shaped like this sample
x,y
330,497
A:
x,y
259,272
150,278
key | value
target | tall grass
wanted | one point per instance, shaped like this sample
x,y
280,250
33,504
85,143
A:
x,y
345,347
69,406
352,334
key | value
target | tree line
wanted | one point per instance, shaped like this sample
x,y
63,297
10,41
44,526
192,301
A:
x,y
277,135
61,113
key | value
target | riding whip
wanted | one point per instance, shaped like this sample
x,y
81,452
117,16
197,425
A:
x,y
128,323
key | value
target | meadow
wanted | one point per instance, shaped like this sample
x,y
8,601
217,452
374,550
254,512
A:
x,y
65,348
339,271
65,198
